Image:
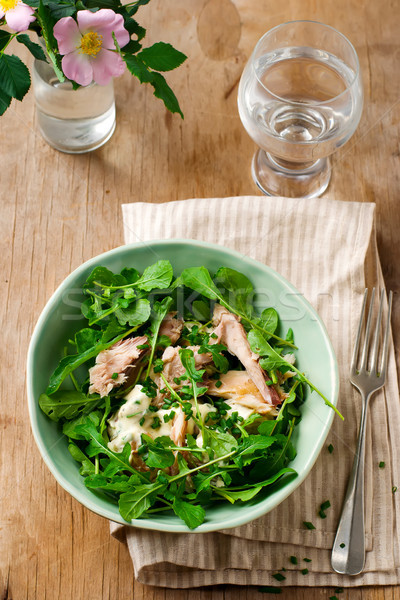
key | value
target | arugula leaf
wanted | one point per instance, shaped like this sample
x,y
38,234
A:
x,y
193,515
156,455
239,287
199,280
162,57
201,310
86,338
103,277
219,442
253,443
113,329
242,495
187,359
155,276
274,361
69,427
67,404
203,481
133,504
266,427
118,483
98,445
159,312
136,314
269,321
220,361
129,274
87,467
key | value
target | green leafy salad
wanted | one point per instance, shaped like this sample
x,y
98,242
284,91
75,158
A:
x,y
176,394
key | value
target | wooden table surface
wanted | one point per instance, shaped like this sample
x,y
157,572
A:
x,y
59,210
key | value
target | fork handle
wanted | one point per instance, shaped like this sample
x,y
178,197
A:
x,y
348,552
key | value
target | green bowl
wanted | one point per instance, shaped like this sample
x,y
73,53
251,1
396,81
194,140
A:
x,y
61,318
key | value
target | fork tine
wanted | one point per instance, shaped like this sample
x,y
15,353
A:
x,y
358,338
375,350
364,357
386,338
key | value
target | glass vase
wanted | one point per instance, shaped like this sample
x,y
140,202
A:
x,y
72,121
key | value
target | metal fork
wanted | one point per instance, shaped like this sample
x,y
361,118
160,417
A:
x,y
348,552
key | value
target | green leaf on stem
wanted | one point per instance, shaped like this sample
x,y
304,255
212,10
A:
x,y
157,276
133,504
164,92
34,49
193,515
15,80
5,101
162,57
67,404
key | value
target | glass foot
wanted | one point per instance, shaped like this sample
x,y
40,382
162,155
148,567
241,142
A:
x,y
292,180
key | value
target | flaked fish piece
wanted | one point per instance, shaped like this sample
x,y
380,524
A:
x,y
173,366
238,387
230,332
116,359
171,327
179,427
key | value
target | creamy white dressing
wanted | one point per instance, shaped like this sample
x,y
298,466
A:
x,y
134,418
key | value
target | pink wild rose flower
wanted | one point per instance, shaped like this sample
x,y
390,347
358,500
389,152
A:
x,y
17,14
88,46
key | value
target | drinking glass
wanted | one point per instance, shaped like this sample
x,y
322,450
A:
x,y
300,98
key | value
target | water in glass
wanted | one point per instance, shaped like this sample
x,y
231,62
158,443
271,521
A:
x,y
73,121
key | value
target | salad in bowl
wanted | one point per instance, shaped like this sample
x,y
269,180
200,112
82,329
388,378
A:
x,y
177,393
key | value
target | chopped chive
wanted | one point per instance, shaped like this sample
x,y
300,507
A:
x,y
114,376
322,514
143,346
330,448
307,559
342,545
279,576
382,464
304,571
339,590
293,560
325,505
394,489
283,569
270,589
141,422
308,525
218,383
156,423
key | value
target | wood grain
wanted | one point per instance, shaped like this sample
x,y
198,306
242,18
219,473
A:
x,y
59,210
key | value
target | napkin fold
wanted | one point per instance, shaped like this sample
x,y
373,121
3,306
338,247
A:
x,y
327,249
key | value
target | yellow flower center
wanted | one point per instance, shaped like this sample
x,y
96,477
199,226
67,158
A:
x,y
90,42
8,4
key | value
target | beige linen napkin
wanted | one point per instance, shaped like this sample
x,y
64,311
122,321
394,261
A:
x,y
327,250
